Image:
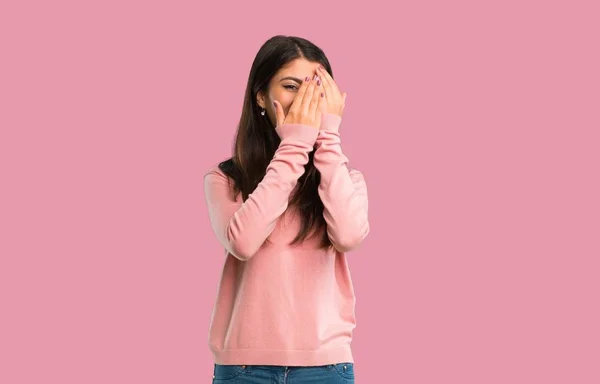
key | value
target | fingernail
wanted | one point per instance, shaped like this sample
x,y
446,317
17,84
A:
x,y
307,78
318,82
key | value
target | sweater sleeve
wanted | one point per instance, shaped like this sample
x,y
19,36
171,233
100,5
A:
x,y
242,228
342,191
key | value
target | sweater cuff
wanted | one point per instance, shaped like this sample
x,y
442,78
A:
x,y
330,122
302,132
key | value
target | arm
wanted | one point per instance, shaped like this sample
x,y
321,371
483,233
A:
x,y
343,192
243,227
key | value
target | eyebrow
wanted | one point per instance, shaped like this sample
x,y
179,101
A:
x,y
297,80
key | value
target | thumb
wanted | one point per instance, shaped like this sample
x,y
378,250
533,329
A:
x,y
279,115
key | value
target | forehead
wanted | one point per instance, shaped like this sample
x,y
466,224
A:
x,y
298,68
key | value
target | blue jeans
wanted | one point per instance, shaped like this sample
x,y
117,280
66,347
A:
x,y
340,373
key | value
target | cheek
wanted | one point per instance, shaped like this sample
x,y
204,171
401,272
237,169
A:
x,y
285,99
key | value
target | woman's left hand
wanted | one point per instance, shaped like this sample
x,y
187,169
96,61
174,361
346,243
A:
x,y
334,99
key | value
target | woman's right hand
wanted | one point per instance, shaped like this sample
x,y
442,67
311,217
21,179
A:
x,y
307,107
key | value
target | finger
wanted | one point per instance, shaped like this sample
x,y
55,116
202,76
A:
x,y
326,85
335,90
321,107
280,116
308,96
297,103
318,91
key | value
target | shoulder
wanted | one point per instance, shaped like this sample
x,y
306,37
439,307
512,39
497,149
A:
x,y
215,179
218,181
356,174
219,170
214,171
354,171
358,178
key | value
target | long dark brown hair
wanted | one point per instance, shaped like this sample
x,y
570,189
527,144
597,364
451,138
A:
x,y
256,139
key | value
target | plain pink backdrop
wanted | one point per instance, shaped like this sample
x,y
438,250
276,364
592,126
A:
x,y
476,125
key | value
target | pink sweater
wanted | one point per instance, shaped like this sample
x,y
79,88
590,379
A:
x,y
277,304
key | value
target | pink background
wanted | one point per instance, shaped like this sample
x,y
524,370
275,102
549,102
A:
x,y
476,125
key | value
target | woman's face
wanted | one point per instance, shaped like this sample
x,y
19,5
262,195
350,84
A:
x,y
284,86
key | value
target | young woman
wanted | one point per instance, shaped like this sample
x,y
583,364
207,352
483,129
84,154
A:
x,y
287,208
